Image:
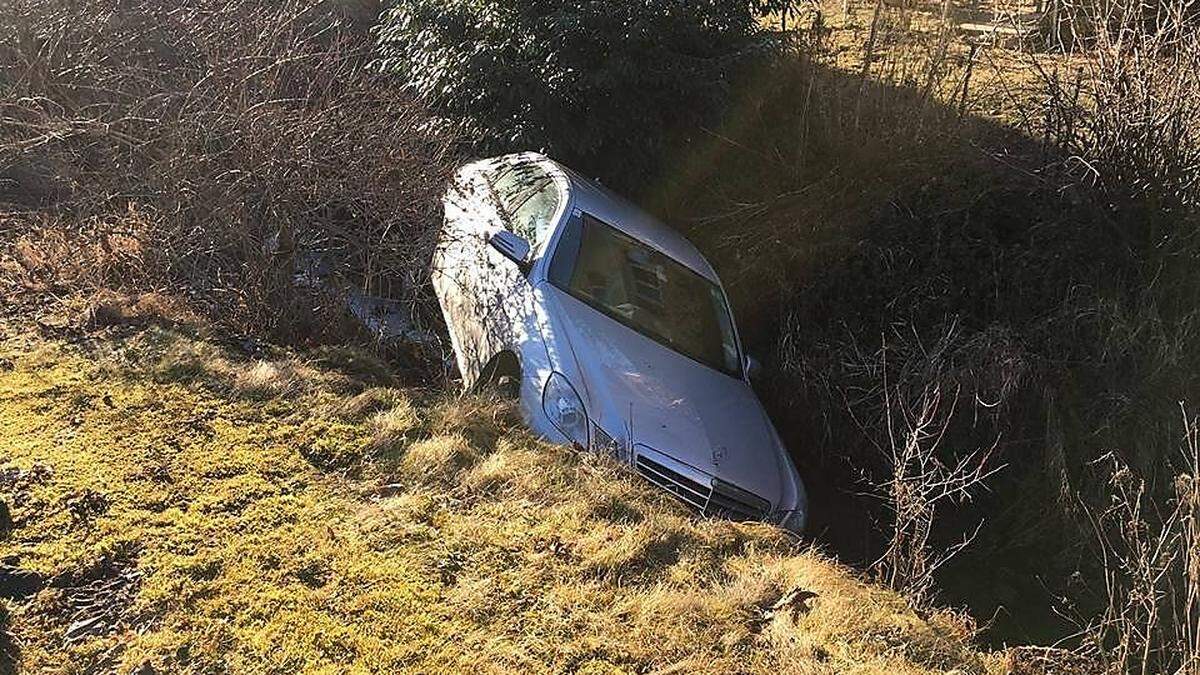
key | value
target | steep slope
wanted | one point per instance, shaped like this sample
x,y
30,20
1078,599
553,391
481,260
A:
x,y
180,506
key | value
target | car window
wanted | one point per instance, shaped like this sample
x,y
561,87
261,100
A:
x,y
529,198
647,290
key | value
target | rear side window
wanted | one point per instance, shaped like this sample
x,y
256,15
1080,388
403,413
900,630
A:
x,y
529,198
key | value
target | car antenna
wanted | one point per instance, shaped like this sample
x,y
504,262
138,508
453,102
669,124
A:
x,y
629,435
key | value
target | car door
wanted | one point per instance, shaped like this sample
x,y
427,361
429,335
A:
x,y
528,202
527,199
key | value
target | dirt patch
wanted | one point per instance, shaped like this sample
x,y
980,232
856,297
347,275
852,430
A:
x,y
15,487
98,601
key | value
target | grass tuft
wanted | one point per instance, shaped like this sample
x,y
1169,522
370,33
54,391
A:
x,y
266,380
438,459
393,428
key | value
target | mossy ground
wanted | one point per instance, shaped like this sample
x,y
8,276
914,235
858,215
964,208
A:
x,y
225,514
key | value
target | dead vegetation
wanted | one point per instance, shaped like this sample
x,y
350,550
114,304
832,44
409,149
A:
x,y
1151,564
920,484
895,177
213,151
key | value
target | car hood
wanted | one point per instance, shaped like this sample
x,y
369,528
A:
x,y
673,404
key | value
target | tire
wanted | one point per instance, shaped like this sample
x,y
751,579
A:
x,y
509,387
502,375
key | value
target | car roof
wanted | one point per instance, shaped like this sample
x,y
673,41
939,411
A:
x,y
597,200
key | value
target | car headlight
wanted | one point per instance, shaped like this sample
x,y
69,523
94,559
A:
x,y
565,409
792,521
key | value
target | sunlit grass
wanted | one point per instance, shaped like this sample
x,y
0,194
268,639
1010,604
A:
x,y
277,523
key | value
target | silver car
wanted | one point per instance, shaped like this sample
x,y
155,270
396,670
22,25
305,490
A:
x,y
612,330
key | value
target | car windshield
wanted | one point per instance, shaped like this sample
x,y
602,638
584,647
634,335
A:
x,y
646,290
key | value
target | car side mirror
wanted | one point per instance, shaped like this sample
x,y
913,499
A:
x,y
752,367
512,246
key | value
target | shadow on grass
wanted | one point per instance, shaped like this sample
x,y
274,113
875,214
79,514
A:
x,y
9,654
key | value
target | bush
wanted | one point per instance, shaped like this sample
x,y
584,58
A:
x,y
602,84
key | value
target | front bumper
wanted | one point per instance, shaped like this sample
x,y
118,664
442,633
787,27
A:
x,y
793,521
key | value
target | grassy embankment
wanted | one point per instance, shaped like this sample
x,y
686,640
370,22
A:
x,y
188,508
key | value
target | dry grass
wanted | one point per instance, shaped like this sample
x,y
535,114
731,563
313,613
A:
x,y
1151,564
211,148
108,308
466,546
267,379
393,427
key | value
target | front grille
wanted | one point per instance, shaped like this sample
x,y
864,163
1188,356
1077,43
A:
x,y
718,499
690,491
730,501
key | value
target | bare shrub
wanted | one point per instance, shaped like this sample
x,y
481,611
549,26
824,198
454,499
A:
x,y
920,484
906,408
1079,24
215,149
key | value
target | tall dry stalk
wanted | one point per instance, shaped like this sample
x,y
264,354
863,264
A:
x,y
1150,550
1187,490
